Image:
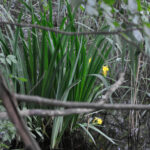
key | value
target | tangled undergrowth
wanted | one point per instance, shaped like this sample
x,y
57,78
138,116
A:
x,y
78,68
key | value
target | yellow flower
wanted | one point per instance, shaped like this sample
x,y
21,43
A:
x,y
98,120
90,60
105,70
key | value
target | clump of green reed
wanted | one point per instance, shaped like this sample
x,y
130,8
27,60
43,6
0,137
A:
x,y
55,65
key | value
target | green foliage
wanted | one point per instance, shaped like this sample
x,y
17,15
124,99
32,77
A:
x,y
139,5
54,65
91,126
7,131
3,146
110,2
7,60
65,67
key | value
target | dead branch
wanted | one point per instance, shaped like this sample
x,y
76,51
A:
x,y
51,113
54,102
14,115
70,33
70,111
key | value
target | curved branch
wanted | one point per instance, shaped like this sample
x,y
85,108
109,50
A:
x,y
13,113
70,33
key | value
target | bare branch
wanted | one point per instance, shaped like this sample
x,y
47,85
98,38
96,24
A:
x,y
44,113
54,102
12,110
71,33
114,87
75,107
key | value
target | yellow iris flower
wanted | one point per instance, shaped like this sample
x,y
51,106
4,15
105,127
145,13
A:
x,y
90,60
105,70
98,120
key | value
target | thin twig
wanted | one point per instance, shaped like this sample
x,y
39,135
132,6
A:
x,y
70,33
13,113
114,87
54,102
44,113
